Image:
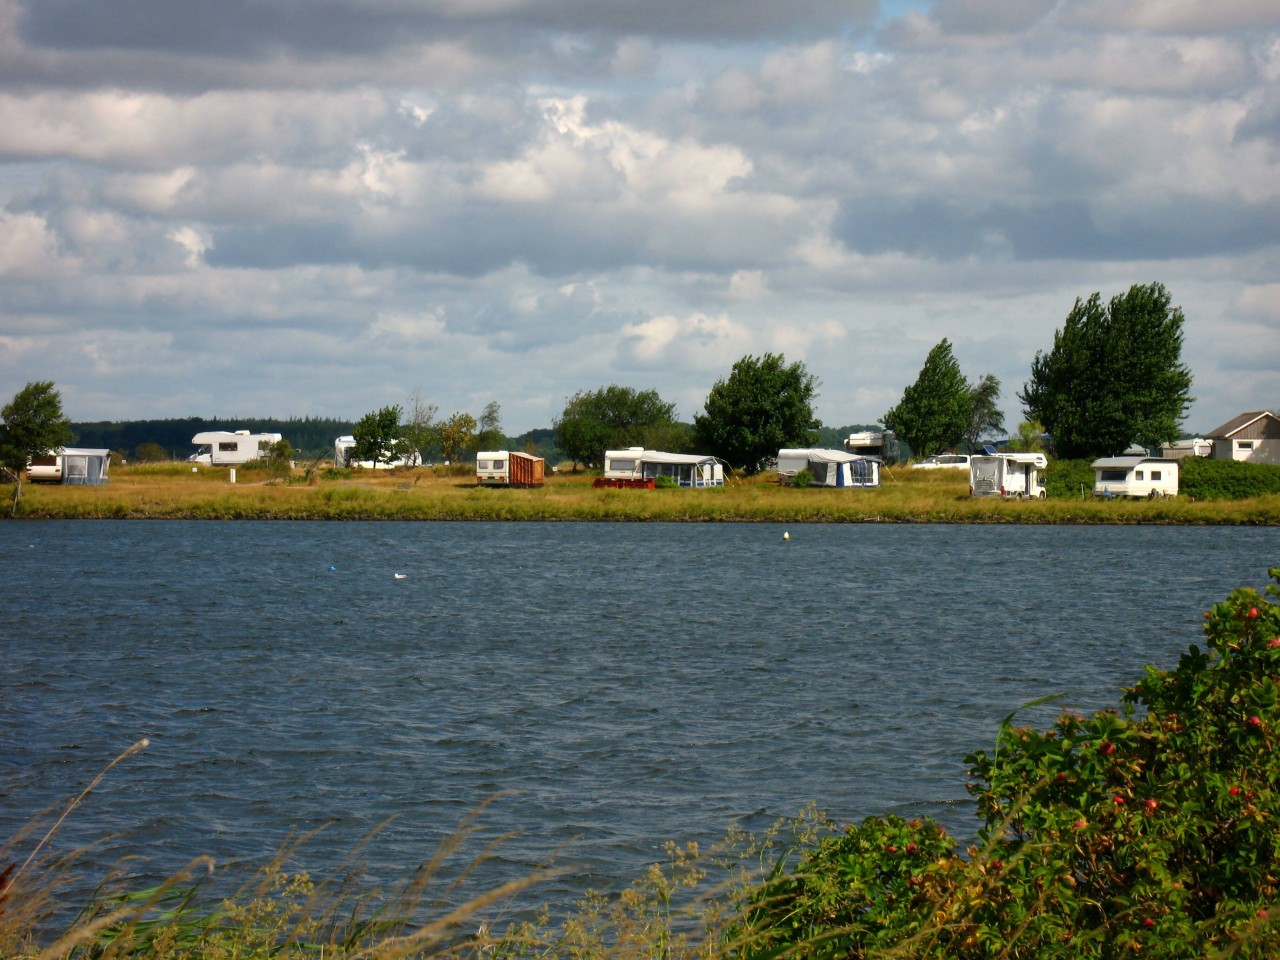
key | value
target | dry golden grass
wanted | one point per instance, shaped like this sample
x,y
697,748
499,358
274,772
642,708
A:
x,y
905,496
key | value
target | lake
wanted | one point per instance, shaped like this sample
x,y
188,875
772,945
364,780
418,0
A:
x,y
607,686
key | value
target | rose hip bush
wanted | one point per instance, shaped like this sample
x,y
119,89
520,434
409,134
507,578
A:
x,y
1151,831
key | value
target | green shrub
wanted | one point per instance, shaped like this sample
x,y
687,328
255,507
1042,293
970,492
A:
x,y
802,479
1153,830
1069,478
1204,478
666,483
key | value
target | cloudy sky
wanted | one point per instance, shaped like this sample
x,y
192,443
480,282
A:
x,y
318,207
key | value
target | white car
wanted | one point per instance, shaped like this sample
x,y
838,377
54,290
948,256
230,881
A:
x,y
943,461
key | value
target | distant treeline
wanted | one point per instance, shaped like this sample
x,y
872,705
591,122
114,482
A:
x,y
312,437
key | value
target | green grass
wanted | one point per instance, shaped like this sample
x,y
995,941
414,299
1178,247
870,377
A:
x,y
906,496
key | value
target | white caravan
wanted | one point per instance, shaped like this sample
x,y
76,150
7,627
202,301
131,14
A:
x,y
343,446
220,448
1008,475
1149,477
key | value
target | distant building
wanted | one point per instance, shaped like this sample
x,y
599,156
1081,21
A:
x,y
1180,449
1254,437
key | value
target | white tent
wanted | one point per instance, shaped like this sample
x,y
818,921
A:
x,y
829,468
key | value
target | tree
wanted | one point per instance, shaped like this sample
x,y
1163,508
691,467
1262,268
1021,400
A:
x,y
489,428
613,418
1028,437
150,452
378,437
1114,376
985,417
33,426
935,411
765,404
277,458
420,432
457,435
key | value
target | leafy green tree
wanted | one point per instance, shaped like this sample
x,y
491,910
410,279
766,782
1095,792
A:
x,y
489,428
764,405
986,419
378,437
1114,376
1027,439
457,436
614,418
277,458
33,426
935,411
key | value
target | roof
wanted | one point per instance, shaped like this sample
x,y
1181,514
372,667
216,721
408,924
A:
x,y
499,454
1239,423
1036,458
213,436
83,452
1114,463
817,455
657,456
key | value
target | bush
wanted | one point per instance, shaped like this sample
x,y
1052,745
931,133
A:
x,y
1152,830
1207,479
666,483
802,479
1067,478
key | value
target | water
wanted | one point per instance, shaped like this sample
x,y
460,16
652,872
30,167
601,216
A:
x,y
627,683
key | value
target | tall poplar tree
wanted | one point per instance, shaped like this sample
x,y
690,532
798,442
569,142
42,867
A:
x,y
1114,376
934,412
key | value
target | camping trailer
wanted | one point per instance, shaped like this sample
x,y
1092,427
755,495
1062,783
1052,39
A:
x,y
509,468
221,448
829,468
71,465
1008,475
1135,476
638,467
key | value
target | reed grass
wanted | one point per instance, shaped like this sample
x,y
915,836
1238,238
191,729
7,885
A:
x,y
905,496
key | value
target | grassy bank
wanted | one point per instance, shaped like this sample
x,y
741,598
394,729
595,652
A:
x,y
906,496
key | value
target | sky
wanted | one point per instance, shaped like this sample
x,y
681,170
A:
x,y
279,208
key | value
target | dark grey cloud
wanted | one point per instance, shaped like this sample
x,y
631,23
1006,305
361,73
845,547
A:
x,y
253,28
1177,227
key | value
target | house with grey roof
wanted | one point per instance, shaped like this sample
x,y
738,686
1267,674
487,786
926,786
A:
x,y
1254,437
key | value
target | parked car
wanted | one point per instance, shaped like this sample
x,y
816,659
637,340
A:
x,y
943,461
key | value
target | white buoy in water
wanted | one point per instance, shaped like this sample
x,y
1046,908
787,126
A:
x,y
400,576
786,535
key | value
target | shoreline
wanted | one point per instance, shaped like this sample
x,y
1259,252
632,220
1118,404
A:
x,y
166,492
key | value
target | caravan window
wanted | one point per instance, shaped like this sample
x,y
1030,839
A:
x,y
1155,475
1137,475
628,465
1113,476
228,446
482,464
499,464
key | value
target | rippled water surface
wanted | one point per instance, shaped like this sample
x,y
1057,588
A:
x,y
629,683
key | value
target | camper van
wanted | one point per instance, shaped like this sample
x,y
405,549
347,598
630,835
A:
x,y
1135,476
509,468
220,448
1010,475
343,447
873,443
